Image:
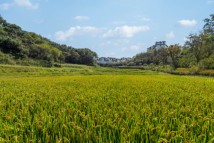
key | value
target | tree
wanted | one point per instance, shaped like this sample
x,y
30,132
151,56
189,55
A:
x,y
162,55
143,58
207,44
209,25
186,58
72,57
174,53
208,35
2,21
10,46
86,56
44,52
195,44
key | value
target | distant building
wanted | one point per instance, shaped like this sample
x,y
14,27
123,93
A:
x,y
110,60
158,45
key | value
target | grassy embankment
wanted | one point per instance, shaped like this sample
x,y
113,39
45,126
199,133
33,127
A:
x,y
66,69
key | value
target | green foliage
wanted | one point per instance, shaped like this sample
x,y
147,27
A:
x,y
33,62
194,70
72,57
143,58
207,63
10,46
186,62
186,59
28,45
6,59
65,69
196,46
162,56
174,52
86,56
209,25
44,52
197,51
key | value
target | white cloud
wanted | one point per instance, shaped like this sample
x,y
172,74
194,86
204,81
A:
x,y
187,23
81,18
76,31
118,32
210,2
170,35
125,31
19,3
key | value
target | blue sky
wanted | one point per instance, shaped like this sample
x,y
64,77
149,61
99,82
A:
x,y
114,28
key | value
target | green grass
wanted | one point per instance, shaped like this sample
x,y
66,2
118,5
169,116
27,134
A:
x,y
67,69
118,106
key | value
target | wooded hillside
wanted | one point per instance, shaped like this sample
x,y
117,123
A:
x,y
27,48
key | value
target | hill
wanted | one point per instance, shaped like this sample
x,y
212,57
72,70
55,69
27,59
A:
x,y
27,48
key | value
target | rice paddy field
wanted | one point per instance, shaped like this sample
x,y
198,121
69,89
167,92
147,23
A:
x,y
118,106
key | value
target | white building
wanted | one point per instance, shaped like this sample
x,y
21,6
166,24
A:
x,y
158,45
110,60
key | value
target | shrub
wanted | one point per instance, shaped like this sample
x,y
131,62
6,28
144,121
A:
x,y
6,59
207,63
57,65
194,70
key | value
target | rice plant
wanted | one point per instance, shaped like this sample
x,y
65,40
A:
x,y
107,108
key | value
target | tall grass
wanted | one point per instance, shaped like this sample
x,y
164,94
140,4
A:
x,y
69,69
107,108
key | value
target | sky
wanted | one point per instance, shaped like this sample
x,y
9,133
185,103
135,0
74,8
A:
x,y
111,28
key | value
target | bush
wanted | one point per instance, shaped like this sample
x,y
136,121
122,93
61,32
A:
x,y
207,63
6,59
46,63
57,65
194,70
186,62
34,62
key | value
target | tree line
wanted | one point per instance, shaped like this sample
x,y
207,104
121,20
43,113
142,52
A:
x,y
198,51
21,47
